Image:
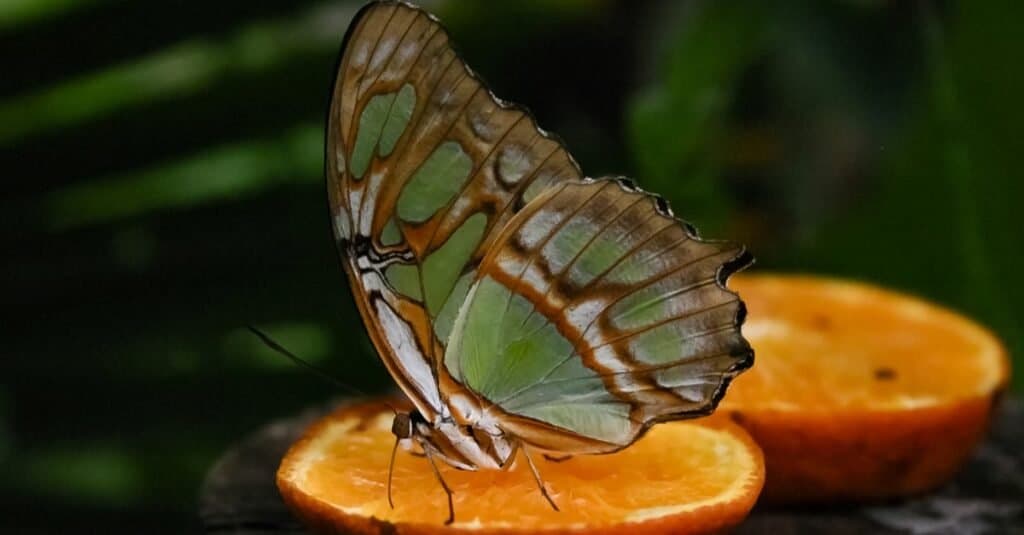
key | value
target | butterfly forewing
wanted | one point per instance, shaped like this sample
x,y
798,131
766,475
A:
x,y
596,314
424,168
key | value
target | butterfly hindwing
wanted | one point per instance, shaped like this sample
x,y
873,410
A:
x,y
597,314
424,168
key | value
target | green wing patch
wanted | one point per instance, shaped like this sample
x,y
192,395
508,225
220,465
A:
x,y
435,184
383,120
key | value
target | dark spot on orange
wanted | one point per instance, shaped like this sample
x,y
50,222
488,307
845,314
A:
x,y
885,374
821,322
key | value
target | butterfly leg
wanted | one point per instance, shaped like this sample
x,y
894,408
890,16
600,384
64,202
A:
x,y
540,482
447,490
556,459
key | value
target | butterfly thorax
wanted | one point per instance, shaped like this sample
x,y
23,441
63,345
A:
x,y
465,447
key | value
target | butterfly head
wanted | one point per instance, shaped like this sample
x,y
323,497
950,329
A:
x,y
404,424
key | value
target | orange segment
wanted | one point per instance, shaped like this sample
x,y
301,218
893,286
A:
x,y
680,478
859,392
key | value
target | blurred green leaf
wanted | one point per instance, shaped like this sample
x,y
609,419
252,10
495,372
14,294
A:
x,y
100,473
234,171
16,13
677,125
185,68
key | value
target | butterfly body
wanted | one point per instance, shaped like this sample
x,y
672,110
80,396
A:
x,y
518,304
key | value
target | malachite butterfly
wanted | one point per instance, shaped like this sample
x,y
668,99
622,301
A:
x,y
518,304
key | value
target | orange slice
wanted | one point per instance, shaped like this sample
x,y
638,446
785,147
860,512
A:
x,y
858,392
682,477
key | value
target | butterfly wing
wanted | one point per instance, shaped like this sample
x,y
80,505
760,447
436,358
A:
x,y
424,167
596,315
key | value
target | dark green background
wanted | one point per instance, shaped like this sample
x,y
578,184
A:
x,y
163,188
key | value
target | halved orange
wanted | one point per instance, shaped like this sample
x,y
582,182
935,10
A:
x,y
858,392
682,477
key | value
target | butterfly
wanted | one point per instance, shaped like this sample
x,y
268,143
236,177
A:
x,y
518,304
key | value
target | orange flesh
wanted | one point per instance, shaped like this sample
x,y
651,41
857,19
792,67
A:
x,y
824,344
707,473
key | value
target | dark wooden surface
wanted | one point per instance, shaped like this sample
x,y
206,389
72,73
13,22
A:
x,y
239,495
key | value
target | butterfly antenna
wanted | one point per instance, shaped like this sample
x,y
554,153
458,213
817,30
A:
x,y
272,344
391,471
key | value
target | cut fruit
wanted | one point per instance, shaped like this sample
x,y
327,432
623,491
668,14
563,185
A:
x,y
860,393
682,477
